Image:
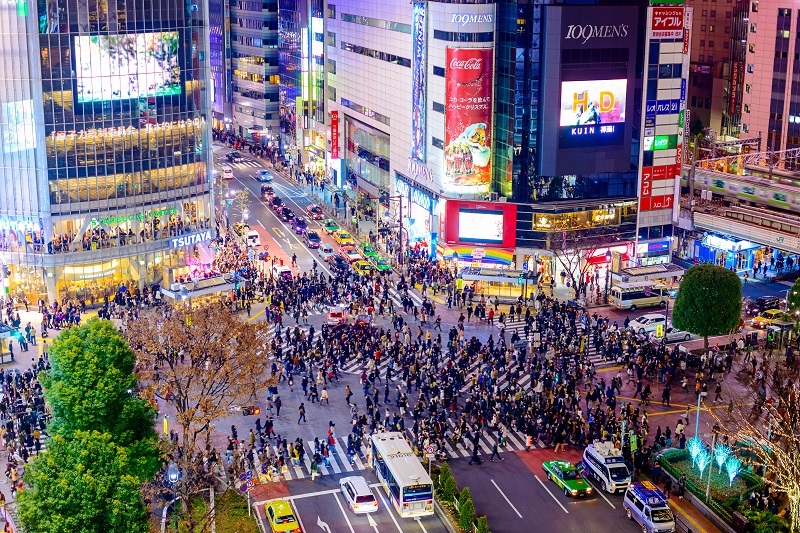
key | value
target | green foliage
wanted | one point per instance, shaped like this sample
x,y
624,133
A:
x,y
231,513
82,484
89,388
483,524
447,484
466,510
793,301
766,522
709,301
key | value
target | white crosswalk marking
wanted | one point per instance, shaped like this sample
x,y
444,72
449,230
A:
x,y
342,455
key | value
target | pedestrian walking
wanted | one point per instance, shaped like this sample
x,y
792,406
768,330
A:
x,y
495,452
302,411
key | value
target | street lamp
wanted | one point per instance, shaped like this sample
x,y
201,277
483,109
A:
x,y
608,270
697,416
173,476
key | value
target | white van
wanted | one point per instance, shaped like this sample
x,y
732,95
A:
x,y
638,294
604,463
253,240
647,505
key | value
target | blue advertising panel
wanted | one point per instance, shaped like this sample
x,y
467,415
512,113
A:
x,y
419,68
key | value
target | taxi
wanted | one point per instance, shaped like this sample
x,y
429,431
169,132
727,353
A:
x,y
315,212
342,237
363,268
241,228
566,476
329,226
336,316
281,517
350,253
765,318
367,250
380,264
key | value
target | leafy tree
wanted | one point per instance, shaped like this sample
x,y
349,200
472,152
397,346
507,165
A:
x,y
466,510
202,362
90,387
447,484
82,483
709,301
483,524
793,301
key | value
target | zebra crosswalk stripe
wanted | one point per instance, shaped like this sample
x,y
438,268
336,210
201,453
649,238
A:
x,y
342,455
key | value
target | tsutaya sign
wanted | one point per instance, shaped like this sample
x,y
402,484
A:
x,y
192,238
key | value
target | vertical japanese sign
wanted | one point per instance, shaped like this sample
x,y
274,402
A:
x,y
468,120
418,75
334,135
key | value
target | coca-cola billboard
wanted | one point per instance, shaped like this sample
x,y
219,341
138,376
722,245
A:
x,y
468,120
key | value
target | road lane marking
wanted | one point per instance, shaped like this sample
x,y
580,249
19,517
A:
x,y
297,514
419,522
261,224
278,232
291,246
323,525
341,507
551,494
503,494
600,492
372,523
389,509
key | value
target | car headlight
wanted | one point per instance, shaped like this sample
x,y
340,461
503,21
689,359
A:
x,y
588,491
574,492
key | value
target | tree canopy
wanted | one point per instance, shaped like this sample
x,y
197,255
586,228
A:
x,y
709,301
82,483
793,300
91,387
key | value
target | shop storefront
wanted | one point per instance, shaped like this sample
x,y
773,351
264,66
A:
x,y
420,208
654,253
462,256
729,252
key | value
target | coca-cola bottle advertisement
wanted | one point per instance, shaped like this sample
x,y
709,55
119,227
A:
x,y
468,120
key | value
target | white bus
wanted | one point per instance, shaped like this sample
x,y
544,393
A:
x,y
637,294
402,475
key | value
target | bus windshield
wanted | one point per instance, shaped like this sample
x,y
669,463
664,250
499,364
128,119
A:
x,y
417,492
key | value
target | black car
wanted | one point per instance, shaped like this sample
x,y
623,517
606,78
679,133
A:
x,y
762,303
312,239
267,192
340,263
276,203
286,214
234,156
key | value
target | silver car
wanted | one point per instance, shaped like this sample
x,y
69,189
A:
x,y
672,334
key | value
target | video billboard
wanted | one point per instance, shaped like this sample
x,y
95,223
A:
x,y
127,66
480,223
593,112
418,83
468,120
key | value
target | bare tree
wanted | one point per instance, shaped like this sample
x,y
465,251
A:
x,y
572,249
202,362
241,203
767,421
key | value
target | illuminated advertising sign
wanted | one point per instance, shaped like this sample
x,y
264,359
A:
x,y
480,223
593,112
667,23
126,66
334,135
419,67
468,120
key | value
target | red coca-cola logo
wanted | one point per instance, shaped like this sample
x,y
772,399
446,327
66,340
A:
x,y
466,65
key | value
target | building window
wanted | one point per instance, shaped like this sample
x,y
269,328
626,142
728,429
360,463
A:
x,y
451,36
438,71
694,101
727,14
358,108
438,143
750,68
331,39
746,108
331,93
702,27
439,108
713,13
747,88
754,7
711,44
383,56
751,48
726,45
711,27
331,11
705,13
745,128
331,66
702,42
377,23
752,27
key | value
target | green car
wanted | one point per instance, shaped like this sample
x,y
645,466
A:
x,y
367,250
380,264
330,225
564,474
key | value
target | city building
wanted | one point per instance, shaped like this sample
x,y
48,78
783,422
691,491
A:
x,y
250,35
719,34
219,44
771,100
104,170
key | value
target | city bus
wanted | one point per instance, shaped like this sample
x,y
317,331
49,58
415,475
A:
x,y
637,294
407,484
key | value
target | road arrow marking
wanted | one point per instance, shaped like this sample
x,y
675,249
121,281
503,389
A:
x,y
323,525
420,525
291,246
372,523
278,232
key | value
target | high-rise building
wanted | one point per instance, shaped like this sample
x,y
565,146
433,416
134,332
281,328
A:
x,y
771,77
252,31
219,44
104,170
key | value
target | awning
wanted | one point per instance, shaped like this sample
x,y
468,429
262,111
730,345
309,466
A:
x,y
602,259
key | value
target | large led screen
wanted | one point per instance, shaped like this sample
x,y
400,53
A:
x,y
476,225
121,67
592,112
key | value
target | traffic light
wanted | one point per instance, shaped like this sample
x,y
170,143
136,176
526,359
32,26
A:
x,y
251,410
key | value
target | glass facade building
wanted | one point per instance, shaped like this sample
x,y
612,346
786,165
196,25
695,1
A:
x,y
105,109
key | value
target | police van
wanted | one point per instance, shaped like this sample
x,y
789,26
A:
x,y
604,463
646,504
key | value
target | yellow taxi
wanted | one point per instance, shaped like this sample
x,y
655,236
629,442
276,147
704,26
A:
x,y
765,318
342,237
281,517
363,268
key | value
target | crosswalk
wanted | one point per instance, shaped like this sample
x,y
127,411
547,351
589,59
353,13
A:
x,y
338,462
248,163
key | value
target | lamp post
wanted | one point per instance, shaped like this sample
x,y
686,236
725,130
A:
x,y
173,476
697,416
608,272
711,466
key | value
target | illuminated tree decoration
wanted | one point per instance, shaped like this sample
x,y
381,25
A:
x,y
721,454
703,460
695,446
733,466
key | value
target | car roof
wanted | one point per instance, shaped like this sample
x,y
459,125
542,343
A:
x,y
650,316
281,505
359,484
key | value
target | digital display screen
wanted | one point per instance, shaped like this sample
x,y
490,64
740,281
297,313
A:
x,y
19,132
592,112
479,225
122,67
